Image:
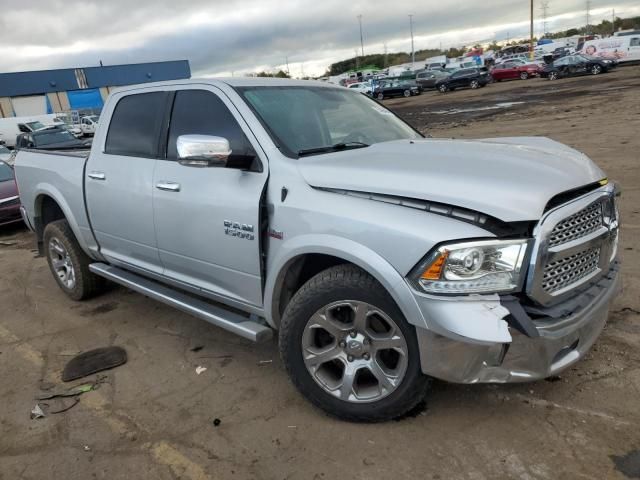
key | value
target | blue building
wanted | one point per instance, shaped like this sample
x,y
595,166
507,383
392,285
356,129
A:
x,y
77,89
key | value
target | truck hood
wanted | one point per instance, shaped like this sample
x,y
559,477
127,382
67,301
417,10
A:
x,y
511,179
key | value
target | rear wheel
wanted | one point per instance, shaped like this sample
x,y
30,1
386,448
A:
x,y
524,75
596,70
68,262
348,348
553,75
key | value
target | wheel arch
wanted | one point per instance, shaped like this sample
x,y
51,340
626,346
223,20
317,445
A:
x,y
50,206
303,258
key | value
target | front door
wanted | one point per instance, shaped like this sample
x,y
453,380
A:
x,y
207,219
119,179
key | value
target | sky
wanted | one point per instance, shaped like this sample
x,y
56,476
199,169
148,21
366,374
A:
x,y
231,37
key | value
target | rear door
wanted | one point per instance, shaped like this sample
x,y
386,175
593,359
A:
x,y
119,176
208,219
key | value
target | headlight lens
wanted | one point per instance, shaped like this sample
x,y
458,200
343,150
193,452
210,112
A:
x,y
472,267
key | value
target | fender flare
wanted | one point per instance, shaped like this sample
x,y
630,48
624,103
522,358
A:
x,y
349,251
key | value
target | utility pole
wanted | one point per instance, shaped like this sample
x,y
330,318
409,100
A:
x,y
386,56
531,34
361,40
286,61
613,21
588,28
413,53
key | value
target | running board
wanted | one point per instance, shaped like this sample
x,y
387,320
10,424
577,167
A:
x,y
218,316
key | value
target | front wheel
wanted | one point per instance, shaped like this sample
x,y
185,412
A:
x,y
380,96
596,70
553,75
474,84
443,88
524,75
348,348
407,93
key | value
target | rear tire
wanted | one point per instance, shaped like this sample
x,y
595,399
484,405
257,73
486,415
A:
x,y
323,344
68,262
553,76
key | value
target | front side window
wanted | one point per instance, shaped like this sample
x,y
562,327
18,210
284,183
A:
x,y
135,125
6,172
300,118
634,42
201,112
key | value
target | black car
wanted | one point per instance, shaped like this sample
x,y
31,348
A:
x,y
573,65
387,89
53,138
429,78
466,77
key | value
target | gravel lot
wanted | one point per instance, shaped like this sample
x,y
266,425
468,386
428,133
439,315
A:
x,y
153,417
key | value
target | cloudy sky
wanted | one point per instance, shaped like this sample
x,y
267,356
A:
x,y
236,37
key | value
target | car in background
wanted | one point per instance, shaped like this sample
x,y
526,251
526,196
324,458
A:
x,y
574,65
89,123
362,87
53,138
465,78
515,70
388,89
429,78
9,198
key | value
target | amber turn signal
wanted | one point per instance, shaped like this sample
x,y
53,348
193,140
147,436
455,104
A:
x,y
434,271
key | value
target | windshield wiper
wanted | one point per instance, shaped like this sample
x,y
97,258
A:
x,y
332,148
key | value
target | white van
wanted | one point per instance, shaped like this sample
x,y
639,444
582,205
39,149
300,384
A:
x,y
620,48
89,124
11,127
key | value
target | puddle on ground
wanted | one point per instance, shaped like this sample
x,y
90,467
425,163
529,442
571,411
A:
x,y
497,106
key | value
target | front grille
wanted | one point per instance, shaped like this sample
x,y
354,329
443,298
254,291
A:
x,y
578,225
562,273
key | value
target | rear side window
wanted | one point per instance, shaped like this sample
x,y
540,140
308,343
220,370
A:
x,y
135,125
201,112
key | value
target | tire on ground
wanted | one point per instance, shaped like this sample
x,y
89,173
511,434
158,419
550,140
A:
x,y
348,282
87,284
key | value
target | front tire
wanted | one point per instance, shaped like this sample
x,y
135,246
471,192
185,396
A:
x,y
474,84
524,75
68,262
553,76
348,348
406,93
380,96
443,88
596,70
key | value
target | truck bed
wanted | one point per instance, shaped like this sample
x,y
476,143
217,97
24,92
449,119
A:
x,y
58,175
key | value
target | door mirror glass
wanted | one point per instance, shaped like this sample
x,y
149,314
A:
x,y
203,150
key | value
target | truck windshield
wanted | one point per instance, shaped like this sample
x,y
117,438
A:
x,y
315,120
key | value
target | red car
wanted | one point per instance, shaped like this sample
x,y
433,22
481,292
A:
x,y
9,200
513,70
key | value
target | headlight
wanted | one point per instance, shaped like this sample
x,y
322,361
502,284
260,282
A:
x,y
472,267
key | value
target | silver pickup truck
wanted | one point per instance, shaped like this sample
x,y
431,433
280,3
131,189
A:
x,y
381,258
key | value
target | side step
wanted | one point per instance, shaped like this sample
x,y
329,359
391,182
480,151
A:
x,y
218,316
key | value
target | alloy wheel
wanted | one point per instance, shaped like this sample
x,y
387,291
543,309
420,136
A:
x,y
354,351
596,69
474,84
62,264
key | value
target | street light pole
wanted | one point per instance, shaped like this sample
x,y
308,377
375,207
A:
x,y
361,41
413,53
531,34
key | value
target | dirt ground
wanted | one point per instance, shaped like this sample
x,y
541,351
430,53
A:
x,y
154,417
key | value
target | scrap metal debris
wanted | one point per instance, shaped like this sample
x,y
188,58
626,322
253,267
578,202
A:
x,y
37,412
200,369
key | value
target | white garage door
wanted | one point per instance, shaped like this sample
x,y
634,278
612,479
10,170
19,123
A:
x,y
28,106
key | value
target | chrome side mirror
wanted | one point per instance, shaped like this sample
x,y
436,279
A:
x,y
203,150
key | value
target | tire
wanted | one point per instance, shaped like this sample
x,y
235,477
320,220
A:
x,y
553,76
443,88
474,84
64,255
524,75
380,96
596,70
346,285
406,93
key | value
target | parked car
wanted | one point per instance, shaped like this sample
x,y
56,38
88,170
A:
x,y
380,257
429,78
467,77
9,200
514,70
89,124
573,65
387,89
53,138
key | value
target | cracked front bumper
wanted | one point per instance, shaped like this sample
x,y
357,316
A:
x,y
559,343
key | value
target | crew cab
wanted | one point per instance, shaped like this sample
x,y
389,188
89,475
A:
x,y
381,258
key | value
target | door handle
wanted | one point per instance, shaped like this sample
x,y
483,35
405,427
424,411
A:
x,y
97,175
168,186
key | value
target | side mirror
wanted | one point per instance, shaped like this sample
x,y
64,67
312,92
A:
x,y
203,150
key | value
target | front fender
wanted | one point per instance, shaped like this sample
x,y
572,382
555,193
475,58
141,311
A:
x,y
347,250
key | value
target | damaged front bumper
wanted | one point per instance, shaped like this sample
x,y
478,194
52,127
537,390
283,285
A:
x,y
504,344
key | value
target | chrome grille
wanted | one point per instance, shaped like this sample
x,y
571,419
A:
x,y
584,222
565,272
